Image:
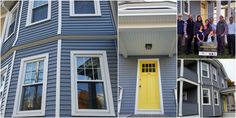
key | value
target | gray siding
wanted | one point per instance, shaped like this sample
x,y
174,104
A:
x,y
190,75
210,9
68,45
94,25
127,80
9,42
34,32
5,62
189,109
50,48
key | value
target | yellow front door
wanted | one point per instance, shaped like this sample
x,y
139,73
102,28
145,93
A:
x,y
225,103
204,10
148,86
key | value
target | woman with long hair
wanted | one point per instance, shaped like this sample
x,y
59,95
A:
x,y
196,28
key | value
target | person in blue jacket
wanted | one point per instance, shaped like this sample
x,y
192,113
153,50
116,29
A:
x,y
180,30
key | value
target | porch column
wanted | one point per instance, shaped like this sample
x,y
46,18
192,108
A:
x,y
181,67
228,10
218,9
180,97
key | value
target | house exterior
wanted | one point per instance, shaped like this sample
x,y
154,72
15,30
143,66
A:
x,y
202,86
58,58
206,8
147,61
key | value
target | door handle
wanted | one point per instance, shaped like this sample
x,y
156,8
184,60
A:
x,y
140,86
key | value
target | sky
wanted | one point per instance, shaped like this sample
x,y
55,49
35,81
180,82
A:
x,y
230,68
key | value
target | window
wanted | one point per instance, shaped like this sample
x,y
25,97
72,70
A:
x,y
205,70
31,89
223,83
185,96
214,73
186,6
11,22
85,8
148,68
91,87
216,101
38,11
206,96
3,74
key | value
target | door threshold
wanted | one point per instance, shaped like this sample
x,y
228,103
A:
x,y
148,112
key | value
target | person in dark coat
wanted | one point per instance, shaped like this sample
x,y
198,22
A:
x,y
231,36
221,29
196,28
180,28
190,34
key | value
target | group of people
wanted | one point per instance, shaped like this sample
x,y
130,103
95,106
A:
x,y
197,31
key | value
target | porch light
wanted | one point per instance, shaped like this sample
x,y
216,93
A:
x,y
148,46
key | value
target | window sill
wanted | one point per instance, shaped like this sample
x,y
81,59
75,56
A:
x,y
206,104
38,22
93,113
186,13
206,77
29,113
85,15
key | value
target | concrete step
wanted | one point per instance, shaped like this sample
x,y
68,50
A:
x,y
229,114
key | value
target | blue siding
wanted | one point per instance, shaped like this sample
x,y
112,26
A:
x,y
94,25
38,31
9,42
127,80
68,45
5,62
50,48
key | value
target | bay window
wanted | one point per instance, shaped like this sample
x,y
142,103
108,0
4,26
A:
x,y
205,70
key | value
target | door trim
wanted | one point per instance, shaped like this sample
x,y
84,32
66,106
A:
x,y
161,111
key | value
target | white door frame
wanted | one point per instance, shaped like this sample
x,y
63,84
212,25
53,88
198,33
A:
x,y
161,111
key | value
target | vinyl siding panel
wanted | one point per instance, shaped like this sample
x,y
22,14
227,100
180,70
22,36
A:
x,y
9,42
6,62
128,77
91,25
71,45
38,31
50,48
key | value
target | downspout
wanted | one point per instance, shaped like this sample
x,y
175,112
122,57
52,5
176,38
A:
x,y
198,88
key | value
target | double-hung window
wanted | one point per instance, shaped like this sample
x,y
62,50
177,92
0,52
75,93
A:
x,y
32,82
205,70
3,77
38,11
222,83
206,96
214,73
91,87
85,8
216,97
11,22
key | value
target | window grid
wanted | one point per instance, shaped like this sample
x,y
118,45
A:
x,y
148,68
206,97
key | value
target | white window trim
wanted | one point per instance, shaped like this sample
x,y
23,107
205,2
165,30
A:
x,y
15,8
207,69
181,7
96,7
187,13
209,96
16,111
214,70
107,85
3,70
29,14
217,95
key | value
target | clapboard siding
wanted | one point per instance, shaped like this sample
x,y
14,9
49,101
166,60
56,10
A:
x,y
6,62
95,25
128,77
38,31
50,48
71,45
9,42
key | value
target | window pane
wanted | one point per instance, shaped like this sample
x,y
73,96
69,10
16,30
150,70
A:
x,y
81,74
88,62
97,74
84,7
11,28
205,100
205,93
30,73
39,13
40,71
91,95
80,62
40,3
96,63
89,74
204,73
31,97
